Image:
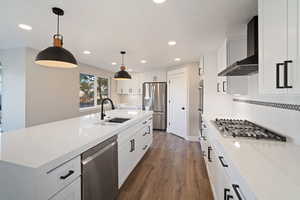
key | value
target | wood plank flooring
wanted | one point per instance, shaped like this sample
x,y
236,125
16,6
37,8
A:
x,y
173,169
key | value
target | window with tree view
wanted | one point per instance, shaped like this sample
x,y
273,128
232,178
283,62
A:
x,y
102,89
92,90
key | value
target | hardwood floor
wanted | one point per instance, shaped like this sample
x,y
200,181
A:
x,y
173,169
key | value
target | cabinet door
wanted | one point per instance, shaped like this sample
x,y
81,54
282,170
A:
x,y
293,78
126,159
272,44
222,57
222,85
71,192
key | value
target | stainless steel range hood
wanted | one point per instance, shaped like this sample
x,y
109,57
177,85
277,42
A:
x,y
248,65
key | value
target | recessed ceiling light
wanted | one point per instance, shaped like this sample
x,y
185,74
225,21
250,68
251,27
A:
x,y
25,27
177,59
86,52
172,43
159,1
143,61
114,63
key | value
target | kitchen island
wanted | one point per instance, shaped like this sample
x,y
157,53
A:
x,y
33,160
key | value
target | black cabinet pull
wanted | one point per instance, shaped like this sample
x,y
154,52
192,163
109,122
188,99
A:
x,y
236,191
218,87
224,86
208,153
67,175
132,145
278,75
222,162
229,197
145,147
286,72
226,190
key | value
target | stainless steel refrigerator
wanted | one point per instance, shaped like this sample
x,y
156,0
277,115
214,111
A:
x,y
155,99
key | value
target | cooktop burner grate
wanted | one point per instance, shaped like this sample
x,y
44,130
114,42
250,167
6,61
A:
x,y
247,129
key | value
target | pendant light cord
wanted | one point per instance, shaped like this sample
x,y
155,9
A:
x,y
57,24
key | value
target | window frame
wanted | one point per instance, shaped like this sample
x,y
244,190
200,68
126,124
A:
x,y
95,90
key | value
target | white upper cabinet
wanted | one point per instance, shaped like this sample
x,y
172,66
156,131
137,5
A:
x,y
232,50
132,86
279,71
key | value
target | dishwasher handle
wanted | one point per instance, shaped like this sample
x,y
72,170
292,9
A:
x,y
92,157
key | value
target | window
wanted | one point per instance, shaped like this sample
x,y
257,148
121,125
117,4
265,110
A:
x,y
92,90
102,89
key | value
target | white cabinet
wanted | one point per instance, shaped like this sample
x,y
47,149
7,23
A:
x,y
279,71
132,147
224,177
130,87
71,192
232,50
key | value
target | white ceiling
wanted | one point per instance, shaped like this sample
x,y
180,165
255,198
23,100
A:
x,y
140,27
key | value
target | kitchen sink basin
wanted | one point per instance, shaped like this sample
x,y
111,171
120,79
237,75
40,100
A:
x,y
118,120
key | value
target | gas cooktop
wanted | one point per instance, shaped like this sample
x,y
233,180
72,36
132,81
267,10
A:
x,y
246,129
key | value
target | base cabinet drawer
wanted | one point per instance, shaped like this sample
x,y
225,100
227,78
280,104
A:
x,y
71,192
60,177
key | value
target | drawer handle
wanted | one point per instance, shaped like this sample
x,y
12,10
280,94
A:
x,y
222,162
67,175
132,145
226,190
145,122
145,133
145,147
236,191
209,149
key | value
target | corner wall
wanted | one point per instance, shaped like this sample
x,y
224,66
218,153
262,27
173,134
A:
x,y
13,72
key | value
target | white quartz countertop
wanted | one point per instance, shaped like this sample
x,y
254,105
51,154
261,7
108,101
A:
x,y
270,169
53,143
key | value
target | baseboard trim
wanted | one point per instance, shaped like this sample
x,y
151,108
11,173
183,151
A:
x,y
193,138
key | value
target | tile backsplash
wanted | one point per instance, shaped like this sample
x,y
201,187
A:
x,y
276,112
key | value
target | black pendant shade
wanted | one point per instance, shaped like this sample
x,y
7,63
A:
x,y
56,56
122,74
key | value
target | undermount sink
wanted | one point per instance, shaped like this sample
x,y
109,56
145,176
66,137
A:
x,y
118,120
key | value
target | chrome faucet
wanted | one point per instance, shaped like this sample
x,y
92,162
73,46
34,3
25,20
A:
x,y
102,110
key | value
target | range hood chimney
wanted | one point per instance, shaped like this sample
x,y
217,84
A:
x,y
248,65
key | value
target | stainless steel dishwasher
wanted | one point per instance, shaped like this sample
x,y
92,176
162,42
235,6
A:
x,y
100,171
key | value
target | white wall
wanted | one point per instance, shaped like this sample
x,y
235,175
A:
x,y
193,98
214,105
51,93
155,76
34,94
282,121
13,113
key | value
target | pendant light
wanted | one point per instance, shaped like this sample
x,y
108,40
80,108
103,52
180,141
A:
x,y
56,56
122,74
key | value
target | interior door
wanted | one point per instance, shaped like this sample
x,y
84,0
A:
x,y
178,105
